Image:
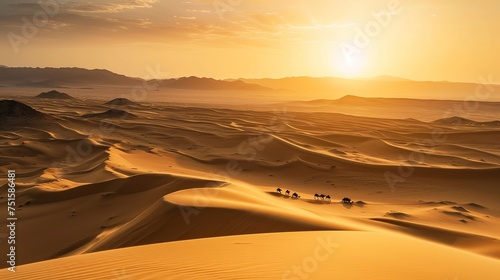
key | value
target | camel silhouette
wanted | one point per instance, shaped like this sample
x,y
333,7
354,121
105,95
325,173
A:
x,y
287,192
347,200
278,190
321,196
296,195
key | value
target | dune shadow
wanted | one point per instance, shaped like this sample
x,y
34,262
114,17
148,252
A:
x,y
347,205
472,204
278,194
315,201
459,215
444,202
397,215
360,203
459,208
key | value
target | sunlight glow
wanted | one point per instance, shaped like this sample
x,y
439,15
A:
x,y
352,66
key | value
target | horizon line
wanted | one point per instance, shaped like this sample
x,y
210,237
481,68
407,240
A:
x,y
402,79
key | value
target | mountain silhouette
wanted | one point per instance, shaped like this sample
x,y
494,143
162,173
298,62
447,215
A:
x,y
16,109
121,102
54,94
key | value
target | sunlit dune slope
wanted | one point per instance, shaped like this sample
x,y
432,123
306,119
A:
x,y
299,255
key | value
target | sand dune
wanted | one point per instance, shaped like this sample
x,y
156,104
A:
x,y
74,217
14,114
113,114
315,255
121,102
182,172
54,94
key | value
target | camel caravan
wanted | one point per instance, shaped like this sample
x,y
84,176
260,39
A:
x,y
321,196
318,197
287,193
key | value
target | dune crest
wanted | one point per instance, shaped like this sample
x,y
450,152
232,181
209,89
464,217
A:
x,y
121,102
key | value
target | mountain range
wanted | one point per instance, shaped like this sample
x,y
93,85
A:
x,y
316,88
78,77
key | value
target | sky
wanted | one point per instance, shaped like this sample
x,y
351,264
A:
x,y
415,39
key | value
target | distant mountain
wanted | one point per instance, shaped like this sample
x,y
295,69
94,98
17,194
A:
x,y
294,87
385,86
429,110
353,100
121,102
297,83
197,83
77,77
463,121
16,109
58,77
388,78
54,94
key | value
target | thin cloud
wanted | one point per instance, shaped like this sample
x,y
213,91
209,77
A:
x,y
114,6
109,7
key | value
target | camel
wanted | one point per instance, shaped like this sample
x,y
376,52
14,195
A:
x,y
287,192
278,190
328,197
347,200
322,196
296,195
316,196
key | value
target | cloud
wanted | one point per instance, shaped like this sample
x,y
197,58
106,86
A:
x,y
186,21
72,24
111,6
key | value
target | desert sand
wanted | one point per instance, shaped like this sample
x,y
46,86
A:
x,y
155,190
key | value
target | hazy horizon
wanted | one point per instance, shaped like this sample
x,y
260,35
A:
x,y
382,77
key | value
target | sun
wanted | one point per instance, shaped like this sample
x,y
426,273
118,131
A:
x,y
349,66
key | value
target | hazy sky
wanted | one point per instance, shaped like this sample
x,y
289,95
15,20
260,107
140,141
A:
x,y
417,39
